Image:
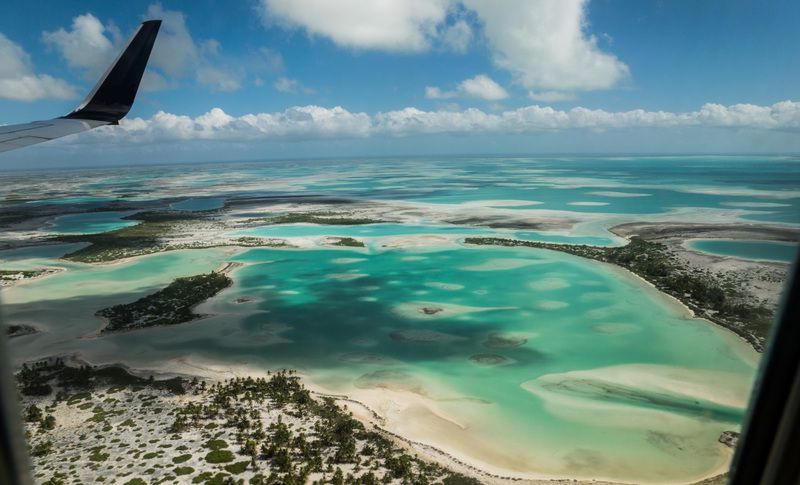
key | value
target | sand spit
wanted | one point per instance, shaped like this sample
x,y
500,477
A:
x,y
426,309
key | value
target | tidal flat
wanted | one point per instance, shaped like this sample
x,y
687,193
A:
x,y
514,362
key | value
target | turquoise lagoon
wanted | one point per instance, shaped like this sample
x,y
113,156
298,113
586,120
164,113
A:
x,y
764,250
526,361
535,362
90,222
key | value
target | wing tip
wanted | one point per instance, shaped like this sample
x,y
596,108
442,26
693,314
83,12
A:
x,y
113,96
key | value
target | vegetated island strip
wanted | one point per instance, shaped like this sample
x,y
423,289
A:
x,y
9,276
20,330
697,289
321,218
169,306
152,235
347,242
88,424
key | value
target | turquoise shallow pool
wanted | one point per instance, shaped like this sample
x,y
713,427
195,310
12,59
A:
x,y
90,222
769,250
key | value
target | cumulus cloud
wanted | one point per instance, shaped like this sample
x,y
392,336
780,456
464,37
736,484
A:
x,y
87,46
19,82
90,47
483,87
388,25
480,86
544,44
317,122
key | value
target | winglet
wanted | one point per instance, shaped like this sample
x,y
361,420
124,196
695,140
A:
x,y
113,96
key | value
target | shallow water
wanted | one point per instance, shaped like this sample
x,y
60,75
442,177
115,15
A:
x,y
90,222
527,360
498,322
769,250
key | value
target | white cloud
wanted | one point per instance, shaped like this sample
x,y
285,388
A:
x,y
89,46
550,96
480,86
457,36
389,25
286,85
175,52
432,92
316,122
544,44
86,46
19,82
483,87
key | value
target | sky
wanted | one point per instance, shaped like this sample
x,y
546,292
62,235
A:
x,y
262,79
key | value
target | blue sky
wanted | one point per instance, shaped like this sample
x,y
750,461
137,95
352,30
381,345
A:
x,y
263,78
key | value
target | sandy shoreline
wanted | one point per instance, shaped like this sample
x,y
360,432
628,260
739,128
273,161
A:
x,y
366,407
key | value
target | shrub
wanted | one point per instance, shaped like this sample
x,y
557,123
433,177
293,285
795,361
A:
x,y
181,458
219,456
183,470
237,468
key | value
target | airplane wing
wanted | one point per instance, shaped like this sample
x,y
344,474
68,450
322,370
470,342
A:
x,y
109,101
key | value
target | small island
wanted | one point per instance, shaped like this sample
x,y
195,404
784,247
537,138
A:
x,y
321,218
347,242
9,276
19,330
169,306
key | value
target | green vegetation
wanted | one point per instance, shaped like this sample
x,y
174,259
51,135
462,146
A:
x,y
237,468
181,458
219,456
169,306
33,414
292,454
149,236
183,470
97,454
16,275
42,449
699,290
347,242
216,444
250,241
320,439
36,379
128,241
19,330
322,218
